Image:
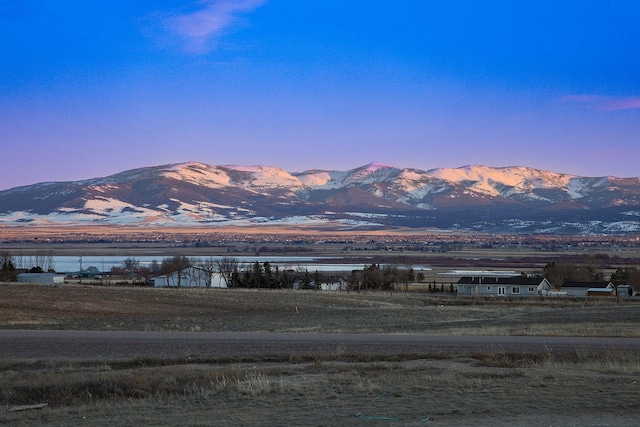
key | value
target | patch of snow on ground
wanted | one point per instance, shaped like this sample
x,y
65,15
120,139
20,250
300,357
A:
x,y
355,223
483,187
419,193
622,226
204,211
576,188
425,206
315,179
301,220
103,188
199,174
522,179
367,215
107,205
18,217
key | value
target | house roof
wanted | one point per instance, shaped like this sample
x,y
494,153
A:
x,y
571,284
513,281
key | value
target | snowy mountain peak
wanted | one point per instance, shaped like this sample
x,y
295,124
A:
x,y
372,171
376,166
187,165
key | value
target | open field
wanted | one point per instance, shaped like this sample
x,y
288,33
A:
x,y
338,385
240,310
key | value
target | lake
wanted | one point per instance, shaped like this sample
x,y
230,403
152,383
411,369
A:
x,y
71,264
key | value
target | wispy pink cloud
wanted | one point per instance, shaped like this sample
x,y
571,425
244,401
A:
x,y
201,29
604,103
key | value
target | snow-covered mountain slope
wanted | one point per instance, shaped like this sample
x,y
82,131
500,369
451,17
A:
x,y
328,180
477,197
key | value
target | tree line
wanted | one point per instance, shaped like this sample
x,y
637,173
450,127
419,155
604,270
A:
x,y
265,275
375,276
10,265
590,271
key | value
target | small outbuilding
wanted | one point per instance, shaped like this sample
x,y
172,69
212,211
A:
x,y
583,289
600,292
41,278
624,290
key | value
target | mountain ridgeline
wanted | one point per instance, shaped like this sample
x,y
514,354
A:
x,y
477,198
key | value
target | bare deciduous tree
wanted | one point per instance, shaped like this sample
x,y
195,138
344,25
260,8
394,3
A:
x,y
131,267
206,267
226,266
176,264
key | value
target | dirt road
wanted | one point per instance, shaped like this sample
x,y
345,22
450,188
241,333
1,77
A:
x,y
44,344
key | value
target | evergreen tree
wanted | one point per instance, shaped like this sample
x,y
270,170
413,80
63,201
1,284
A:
x,y
268,280
7,267
256,276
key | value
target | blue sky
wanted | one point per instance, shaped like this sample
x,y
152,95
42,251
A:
x,y
90,88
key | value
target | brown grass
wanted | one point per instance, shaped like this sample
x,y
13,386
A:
x,y
122,308
331,391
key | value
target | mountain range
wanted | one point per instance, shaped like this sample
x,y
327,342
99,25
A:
x,y
477,198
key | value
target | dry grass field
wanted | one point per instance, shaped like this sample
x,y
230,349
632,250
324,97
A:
x,y
474,387
89,307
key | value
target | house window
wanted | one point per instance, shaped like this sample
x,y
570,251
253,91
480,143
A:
x,y
532,289
515,290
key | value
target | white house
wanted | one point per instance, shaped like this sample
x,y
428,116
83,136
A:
x,y
337,284
41,278
191,277
503,286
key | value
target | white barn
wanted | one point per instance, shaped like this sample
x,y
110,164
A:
x,y
41,278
